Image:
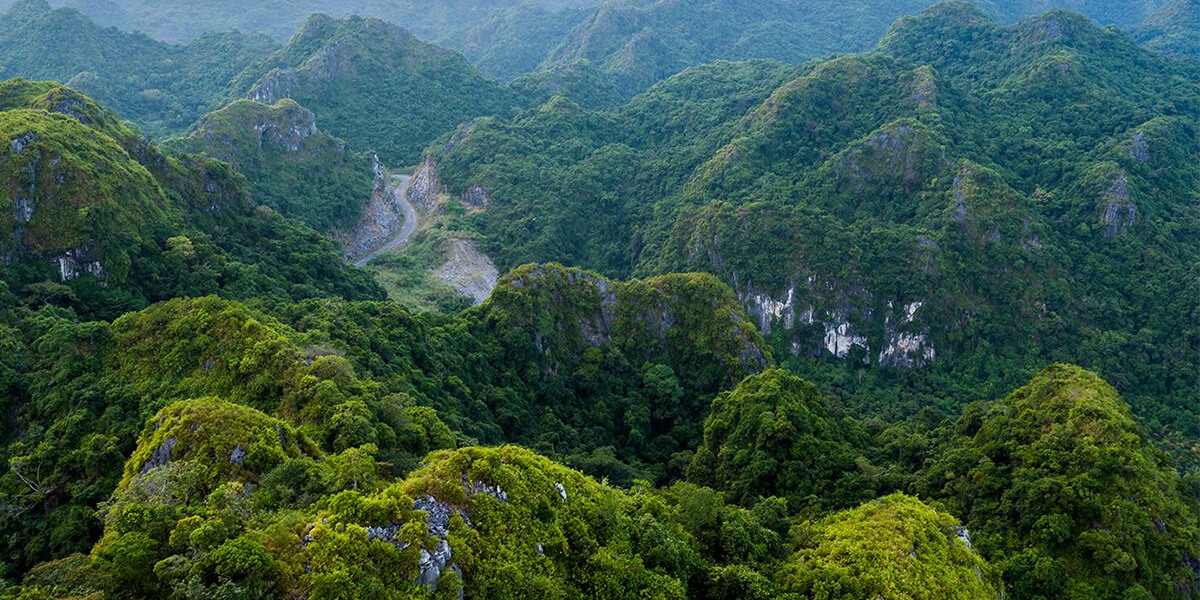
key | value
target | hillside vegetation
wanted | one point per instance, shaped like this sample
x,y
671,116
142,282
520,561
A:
x,y
967,200
919,323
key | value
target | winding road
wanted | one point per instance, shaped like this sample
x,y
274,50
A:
x,y
398,191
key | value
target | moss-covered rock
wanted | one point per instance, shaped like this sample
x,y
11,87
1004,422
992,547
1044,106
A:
x,y
493,522
73,195
228,442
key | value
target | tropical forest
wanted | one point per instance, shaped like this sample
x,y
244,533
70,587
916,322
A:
x,y
600,299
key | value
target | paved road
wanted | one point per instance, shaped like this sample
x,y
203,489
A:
x,y
406,230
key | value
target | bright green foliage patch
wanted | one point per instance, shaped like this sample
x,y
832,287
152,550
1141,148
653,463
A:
x,y
773,435
228,442
894,547
1062,492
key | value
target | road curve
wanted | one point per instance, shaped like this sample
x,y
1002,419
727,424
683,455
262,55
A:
x,y
410,221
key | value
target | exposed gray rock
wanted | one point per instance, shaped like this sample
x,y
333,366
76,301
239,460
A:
x,y
71,104
23,205
1119,211
382,217
426,191
432,564
478,487
238,456
959,214
964,535
20,143
161,456
439,514
903,348
469,271
460,135
841,337
384,533
925,90
476,197
76,262
1138,149
887,153
274,86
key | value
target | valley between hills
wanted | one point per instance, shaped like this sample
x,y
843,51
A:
x,y
653,299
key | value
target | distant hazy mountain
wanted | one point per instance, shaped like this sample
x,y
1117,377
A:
x,y
1173,29
163,87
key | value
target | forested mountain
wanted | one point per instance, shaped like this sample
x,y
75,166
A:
x,y
182,21
1173,29
966,198
163,88
98,219
637,42
767,330
375,85
290,164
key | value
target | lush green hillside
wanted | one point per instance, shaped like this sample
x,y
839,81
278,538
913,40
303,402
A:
x,y
163,88
289,164
375,85
894,547
367,381
1060,489
774,435
97,218
1173,29
944,214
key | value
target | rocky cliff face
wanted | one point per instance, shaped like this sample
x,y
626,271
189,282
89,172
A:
x,y
382,217
1119,212
282,126
814,327
659,319
426,191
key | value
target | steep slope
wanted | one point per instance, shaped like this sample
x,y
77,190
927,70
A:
x,y
289,164
1173,29
375,85
163,88
1059,480
92,204
74,197
939,204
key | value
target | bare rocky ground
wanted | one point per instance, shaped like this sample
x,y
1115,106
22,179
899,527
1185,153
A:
x,y
469,271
